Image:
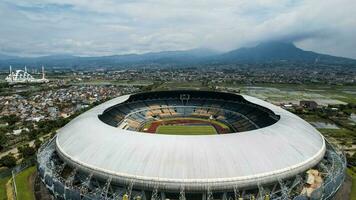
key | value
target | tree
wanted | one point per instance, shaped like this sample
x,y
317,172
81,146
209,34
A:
x,y
38,143
8,161
351,160
11,119
3,140
27,151
32,134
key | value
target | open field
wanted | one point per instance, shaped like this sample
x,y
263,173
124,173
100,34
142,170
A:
x,y
3,182
186,130
280,93
323,96
293,93
24,186
337,133
114,82
182,85
352,173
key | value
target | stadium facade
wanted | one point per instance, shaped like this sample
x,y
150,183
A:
x,y
109,153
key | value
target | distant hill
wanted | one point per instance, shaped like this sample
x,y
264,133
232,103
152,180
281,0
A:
x,y
277,52
268,52
7,57
165,57
193,55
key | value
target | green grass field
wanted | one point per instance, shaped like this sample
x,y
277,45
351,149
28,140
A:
x,y
352,173
186,130
24,187
338,133
3,182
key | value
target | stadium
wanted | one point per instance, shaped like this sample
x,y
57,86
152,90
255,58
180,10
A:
x,y
190,144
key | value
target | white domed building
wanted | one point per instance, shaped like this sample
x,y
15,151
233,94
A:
x,y
22,76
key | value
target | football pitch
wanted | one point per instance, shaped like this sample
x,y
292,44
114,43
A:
x,y
186,130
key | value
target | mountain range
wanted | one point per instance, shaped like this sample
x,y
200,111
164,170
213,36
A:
x,y
268,52
278,52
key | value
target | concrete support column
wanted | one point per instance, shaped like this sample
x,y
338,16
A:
x,y
143,195
224,196
203,196
163,196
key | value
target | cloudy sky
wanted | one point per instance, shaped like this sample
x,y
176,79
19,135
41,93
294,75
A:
x,y
105,27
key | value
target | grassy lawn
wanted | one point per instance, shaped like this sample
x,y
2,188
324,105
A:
x,y
338,133
314,118
3,182
24,187
186,130
352,173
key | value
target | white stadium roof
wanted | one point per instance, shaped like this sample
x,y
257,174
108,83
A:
x,y
284,149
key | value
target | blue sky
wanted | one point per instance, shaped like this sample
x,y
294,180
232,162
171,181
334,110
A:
x,y
106,27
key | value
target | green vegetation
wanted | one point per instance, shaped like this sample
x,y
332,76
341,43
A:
x,y
337,133
352,173
8,161
114,82
186,130
341,130
208,121
181,85
313,118
23,184
10,119
3,140
8,124
27,151
323,94
3,182
351,160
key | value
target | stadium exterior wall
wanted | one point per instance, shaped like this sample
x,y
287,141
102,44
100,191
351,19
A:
x,y
63,146
195,185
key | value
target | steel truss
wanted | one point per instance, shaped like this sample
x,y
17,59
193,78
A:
x,y
332,168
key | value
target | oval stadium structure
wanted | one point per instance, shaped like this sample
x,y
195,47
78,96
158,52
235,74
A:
x,y
190,145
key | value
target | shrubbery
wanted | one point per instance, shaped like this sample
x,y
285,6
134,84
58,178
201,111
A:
x,y
8,161
26,151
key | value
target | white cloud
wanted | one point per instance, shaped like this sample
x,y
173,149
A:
x,y
103,27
